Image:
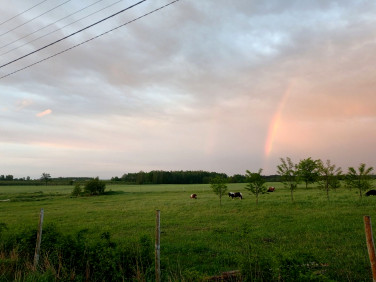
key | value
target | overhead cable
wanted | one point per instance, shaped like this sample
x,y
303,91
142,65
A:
x,y
9,43
15,48
95,37
22,13
35,18
70,35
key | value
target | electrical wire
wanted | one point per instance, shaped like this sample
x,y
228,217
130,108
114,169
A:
x,y
1,47
22,13
35,18
95,37
70,35
15,48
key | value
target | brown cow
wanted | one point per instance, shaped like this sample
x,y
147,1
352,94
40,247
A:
x,y
271,189
193,196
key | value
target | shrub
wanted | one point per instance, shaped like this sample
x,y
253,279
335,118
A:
x,y
95,187
77,190
74,258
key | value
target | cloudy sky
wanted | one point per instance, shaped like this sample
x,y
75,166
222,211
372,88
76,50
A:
x,y
212,85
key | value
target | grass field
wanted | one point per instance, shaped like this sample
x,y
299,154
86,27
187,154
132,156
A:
x,y
311,238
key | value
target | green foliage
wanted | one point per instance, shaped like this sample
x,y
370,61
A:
x,y
256,183
3,227
198,237
67,257
308,170
256,265
45,177
172,177
77,190
360,179
95,187
290,175
219,187
301,267
329,176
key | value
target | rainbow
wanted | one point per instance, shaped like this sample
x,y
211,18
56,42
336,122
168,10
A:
x,y
276,122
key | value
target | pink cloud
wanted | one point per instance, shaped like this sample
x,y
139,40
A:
x,y
44,113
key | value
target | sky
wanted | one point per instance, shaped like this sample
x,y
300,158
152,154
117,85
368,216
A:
x,y
213,85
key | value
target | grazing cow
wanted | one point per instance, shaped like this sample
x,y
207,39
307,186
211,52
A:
x,y
371,193
193,196
271,189
235,195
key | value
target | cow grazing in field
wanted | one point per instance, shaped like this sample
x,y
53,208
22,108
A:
x,y
271,189
235,195
193,196
371,193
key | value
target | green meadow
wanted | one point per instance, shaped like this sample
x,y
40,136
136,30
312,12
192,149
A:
x,y
277,240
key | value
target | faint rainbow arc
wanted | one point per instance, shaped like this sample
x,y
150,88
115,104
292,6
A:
x,y
276,121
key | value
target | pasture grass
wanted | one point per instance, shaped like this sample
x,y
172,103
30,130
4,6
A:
x,y
200,238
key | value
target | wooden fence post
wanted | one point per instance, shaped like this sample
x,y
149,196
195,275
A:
x,y
370,245
39,239
158,247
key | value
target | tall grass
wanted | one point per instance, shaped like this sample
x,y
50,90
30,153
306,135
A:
x,y
308,239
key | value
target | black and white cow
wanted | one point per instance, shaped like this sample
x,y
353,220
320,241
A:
x,y
235,195
371,193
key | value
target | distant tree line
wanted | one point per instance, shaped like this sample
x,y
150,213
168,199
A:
x,y
184,177
9,180
170,177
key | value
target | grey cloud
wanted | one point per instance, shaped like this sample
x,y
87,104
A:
x,y
192,71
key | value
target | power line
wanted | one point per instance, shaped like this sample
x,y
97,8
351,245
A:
x,y
15,48
22,13
35,18
70,35
1,47
95,37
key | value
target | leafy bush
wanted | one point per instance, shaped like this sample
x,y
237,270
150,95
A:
x,y
95,187
74,258
77,190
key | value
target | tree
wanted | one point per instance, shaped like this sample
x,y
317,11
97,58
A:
x,y
256,183
308,171
9,177
95,187
289,174
360,179
218,184
45,177
329,175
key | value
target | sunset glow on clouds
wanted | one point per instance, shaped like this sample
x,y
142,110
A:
x,y
44,113
195,86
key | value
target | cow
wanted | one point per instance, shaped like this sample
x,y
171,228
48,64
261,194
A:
x,y
235,195
194,196
271,189
371,193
